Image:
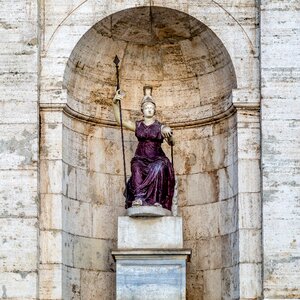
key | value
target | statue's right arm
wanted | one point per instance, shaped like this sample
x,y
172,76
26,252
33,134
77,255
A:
x,y
128,124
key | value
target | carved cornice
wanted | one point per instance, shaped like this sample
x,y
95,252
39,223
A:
x,y
205,121
67,110
52,106
246,99
247,106
88,119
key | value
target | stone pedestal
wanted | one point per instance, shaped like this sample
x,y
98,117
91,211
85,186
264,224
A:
x,y
150,259
150,233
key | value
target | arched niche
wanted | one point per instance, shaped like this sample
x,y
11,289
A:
x,y
186,63
192,77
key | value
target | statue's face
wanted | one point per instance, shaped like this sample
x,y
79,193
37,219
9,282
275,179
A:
x,y
148,109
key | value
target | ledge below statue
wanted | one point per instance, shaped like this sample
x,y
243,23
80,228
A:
x,y
147,211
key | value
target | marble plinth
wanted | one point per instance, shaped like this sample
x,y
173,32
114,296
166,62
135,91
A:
x,y
151,274
150,232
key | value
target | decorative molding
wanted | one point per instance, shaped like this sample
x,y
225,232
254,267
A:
x,y
88,119
205,121
247,106
52,106
246,99
108,123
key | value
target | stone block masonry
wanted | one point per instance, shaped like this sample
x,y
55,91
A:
x,y
239,117
280,121
19,133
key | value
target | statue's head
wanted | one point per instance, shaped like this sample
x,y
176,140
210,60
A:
x,y
147,97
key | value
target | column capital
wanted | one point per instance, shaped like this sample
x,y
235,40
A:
x,y
248,99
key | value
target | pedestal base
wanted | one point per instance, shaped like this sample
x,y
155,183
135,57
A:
x,y
151,274
150,260
147,211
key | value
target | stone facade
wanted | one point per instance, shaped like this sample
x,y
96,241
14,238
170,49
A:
x,y
280,128
19,191
225,77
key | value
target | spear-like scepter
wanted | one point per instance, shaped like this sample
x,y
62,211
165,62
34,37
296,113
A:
x,y
172,155
116,62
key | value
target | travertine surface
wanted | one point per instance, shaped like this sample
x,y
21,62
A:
x,y
280,75
150,259
150,232
203,59
18,149
151,277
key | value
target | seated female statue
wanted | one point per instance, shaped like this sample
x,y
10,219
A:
x,y
152,176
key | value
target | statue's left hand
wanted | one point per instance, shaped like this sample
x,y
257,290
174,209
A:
x,y
166,132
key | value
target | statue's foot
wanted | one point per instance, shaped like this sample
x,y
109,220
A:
x,y
157,204
137,202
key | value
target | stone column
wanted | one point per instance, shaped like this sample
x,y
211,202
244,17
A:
x,y
150,259
247,105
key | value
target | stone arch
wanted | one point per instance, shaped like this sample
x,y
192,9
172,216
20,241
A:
x,y
162,47
56,49
206,155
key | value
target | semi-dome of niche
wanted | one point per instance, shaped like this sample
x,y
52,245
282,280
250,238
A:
x,y
186,63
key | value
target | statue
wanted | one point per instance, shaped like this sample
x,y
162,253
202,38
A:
x,y
152,178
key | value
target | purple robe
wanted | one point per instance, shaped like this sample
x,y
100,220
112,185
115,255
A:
x,y
152,178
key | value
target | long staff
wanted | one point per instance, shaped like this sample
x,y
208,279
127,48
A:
x,y
172,156
116,62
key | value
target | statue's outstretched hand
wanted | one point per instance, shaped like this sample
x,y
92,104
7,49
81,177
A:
x,y
166,132
118,96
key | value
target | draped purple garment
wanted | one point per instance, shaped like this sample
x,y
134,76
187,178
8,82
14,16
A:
x,y
152,178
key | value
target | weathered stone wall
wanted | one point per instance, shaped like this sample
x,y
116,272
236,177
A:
x,y
18,149
280,75
218,162
206,163
71,169
81,197
92,202
205,156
